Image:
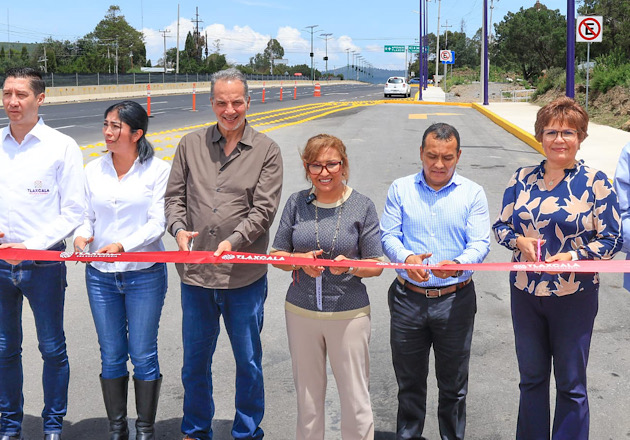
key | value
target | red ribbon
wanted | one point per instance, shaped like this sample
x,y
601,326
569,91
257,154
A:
x,y
202,257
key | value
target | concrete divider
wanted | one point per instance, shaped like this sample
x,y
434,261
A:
x,y
123,91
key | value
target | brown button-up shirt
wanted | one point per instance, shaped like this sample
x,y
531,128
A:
x,y
232,198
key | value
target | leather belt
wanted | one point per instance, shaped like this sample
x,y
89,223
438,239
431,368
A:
x,y
432,292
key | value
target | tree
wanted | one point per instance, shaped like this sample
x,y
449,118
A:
x,y
24,55
258,63
114,34
273,51
531,40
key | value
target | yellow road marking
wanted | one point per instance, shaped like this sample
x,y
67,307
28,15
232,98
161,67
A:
x,y
270,120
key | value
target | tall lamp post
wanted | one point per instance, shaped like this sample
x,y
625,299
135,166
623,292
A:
x,y
312,70
420,56
355,57
325,37
570,49
347,63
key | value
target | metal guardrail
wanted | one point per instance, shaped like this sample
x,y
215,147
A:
x,y
524,95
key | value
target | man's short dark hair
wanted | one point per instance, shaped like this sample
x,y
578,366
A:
x,y
441,131
38,85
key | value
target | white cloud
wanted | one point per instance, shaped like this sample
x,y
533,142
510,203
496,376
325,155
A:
x,y
239,43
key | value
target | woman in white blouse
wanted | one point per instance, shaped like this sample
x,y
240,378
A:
x,y
125,213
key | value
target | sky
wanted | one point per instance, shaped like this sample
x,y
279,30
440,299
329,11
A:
x,y
242,28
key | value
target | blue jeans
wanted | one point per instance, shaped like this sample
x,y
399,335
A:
x,y
44,285
553,330
126,307
242,311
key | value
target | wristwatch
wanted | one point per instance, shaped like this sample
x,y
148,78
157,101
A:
x,y
459,272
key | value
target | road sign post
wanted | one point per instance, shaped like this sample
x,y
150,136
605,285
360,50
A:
x,y
446,57
589,30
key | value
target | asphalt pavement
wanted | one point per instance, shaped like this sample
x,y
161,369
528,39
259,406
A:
x,y
383,144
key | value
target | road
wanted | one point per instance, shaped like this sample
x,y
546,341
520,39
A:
x,y
383,144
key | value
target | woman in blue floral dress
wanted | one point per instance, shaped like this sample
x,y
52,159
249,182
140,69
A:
x,y
570,212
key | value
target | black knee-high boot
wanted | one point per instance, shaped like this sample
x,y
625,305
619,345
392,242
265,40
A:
x,y
115,398
147,396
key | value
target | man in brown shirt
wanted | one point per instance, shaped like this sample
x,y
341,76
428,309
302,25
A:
x,y
222,195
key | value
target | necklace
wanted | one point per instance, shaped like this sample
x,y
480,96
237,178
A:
x,y
334,240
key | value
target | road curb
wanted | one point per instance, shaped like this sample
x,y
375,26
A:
x,y
521,134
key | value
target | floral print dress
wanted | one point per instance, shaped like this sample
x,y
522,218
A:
x,y
581,213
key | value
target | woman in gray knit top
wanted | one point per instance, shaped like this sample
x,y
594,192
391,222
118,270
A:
x,y
328,310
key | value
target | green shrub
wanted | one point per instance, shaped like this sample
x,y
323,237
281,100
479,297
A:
x,y
554,78
610,70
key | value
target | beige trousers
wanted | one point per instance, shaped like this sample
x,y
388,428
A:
x,y
346,343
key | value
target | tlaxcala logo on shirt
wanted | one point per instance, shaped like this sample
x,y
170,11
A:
x,y
38,188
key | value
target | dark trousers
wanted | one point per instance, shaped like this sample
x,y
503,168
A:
x,y
417,323
553,329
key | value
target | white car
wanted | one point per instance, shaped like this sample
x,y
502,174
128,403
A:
x,y
397,85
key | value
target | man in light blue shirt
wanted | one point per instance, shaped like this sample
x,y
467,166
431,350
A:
x,y
437,217
622,186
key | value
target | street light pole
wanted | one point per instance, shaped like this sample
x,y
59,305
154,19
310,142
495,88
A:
x,y
326,57
570,92
347,63
437,46
312,70
420,57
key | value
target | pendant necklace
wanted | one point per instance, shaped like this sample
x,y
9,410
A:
x,y
334,240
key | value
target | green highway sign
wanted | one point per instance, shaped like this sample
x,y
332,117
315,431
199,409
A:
x,y
413,49
394,48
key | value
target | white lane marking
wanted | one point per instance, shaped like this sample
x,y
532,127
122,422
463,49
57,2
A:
x,y
65,126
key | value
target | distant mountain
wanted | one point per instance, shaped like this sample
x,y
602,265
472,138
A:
x,y
373,75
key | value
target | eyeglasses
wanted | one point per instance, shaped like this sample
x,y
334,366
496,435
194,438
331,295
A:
x,y
331,167
567,135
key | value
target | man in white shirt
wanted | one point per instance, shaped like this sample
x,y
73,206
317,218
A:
x,y
41,203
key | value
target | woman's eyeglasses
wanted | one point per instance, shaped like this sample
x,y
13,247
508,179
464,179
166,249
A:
x,y
567,135
331,167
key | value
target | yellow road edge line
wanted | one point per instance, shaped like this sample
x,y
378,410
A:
x,y
521,134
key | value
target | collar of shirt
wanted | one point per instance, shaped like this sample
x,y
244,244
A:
x,y
578,164
109,160
36,131
246,139
455,180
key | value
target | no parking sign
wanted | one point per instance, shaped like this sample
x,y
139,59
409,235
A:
x,y
589,29
447,56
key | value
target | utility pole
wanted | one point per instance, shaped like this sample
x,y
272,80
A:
x,y
490,24
45,61
177,44
164,32
326,57
445,48
312,70
197,35
347,63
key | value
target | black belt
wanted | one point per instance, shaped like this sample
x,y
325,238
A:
x,y
432,292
